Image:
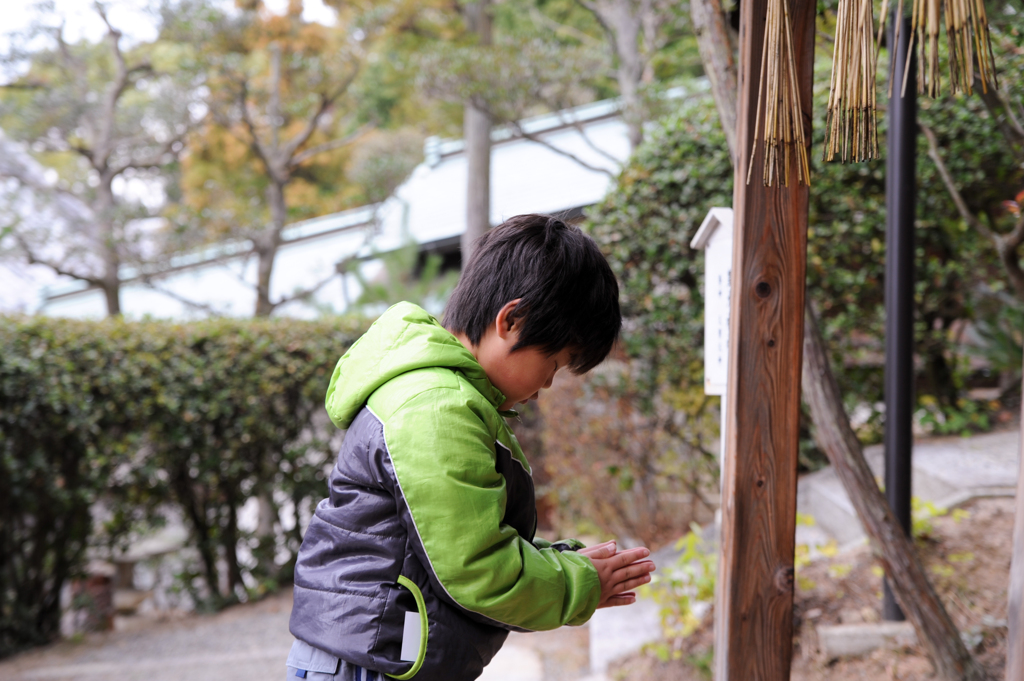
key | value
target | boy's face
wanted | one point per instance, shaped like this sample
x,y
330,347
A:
x,y
519,375
522,374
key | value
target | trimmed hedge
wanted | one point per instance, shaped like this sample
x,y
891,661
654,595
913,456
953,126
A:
x,y
202,416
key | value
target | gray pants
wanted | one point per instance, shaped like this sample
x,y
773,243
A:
x,y
313,664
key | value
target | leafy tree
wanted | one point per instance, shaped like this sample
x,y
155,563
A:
x,y
106,117
282,120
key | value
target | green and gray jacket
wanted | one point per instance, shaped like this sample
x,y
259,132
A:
x,y
431,511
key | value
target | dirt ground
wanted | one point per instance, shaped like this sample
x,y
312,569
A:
x,y
967,554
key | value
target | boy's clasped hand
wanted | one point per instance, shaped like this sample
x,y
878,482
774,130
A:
x,y
619,572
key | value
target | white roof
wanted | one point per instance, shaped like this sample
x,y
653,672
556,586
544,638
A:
x,y
715,218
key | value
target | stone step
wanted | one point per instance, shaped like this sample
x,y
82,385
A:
x,y
857,639
946,472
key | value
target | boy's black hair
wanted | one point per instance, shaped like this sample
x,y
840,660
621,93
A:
x,y
569,296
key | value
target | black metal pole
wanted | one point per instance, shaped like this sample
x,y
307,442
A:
x,y
900,198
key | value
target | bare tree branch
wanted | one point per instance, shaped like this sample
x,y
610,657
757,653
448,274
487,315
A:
x,y
102,142
22,86
624,24
254,142
326,101
303,294
229,126
540,18
593,9
245,262
715,46
576,125
1015,123
954,193
69,59
17,164
562,152
1001,110
1006,245
101,145
60,269
83,151
156,160
202,307
328,146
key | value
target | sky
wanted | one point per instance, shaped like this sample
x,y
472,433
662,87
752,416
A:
x,y
21,286
129,16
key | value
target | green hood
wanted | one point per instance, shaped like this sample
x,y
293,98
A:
x,y
405,338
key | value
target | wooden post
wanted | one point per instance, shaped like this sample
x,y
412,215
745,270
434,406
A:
x,y
1015,617
754,602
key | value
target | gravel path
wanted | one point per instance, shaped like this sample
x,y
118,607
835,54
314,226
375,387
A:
x,y
250,643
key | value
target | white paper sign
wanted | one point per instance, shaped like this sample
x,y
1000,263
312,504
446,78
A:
x,y
715,237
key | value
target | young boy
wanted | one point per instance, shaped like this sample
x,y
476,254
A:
x,y
424,556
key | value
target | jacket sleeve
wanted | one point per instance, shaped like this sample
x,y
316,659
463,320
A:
x,y
444,463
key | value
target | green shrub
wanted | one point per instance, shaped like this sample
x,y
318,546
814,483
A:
x,y
646,222
202,416
644,227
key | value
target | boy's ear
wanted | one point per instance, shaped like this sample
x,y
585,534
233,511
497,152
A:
x,y
503,325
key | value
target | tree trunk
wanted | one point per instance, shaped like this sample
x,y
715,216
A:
x,y
627,27
104,208
912,589
719,65
230,541
624,23
649,22
632,110
477,137
112,295
195,509
477,132
266,246
1015,611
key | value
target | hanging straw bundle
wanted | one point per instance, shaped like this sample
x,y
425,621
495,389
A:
x,y
966,31
851,121
783,118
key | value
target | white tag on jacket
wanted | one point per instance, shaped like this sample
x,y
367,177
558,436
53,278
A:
x,y
411,637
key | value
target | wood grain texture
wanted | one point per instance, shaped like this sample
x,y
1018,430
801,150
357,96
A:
x,y
1015,618
754,600
913,590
